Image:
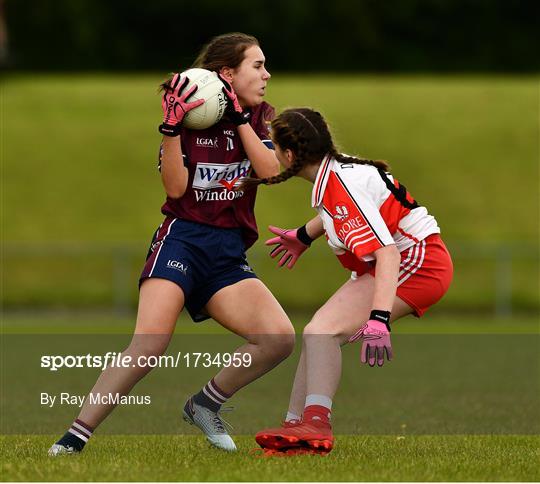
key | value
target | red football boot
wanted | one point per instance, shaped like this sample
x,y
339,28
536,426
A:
x,y
314,435
271,438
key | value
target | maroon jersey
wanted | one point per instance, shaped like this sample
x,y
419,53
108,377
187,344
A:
x,y
216,161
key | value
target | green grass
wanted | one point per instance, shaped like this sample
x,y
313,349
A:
x,y
361,458
443,410
84,323
466,147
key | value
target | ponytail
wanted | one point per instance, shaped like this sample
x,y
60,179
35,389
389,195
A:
x,y
251,182
306,133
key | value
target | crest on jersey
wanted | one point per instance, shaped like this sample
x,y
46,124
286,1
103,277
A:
x,y
155,245
342,212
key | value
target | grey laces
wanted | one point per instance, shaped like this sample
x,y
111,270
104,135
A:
x,y
221,424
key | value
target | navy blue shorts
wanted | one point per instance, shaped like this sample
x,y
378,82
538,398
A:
x,y
201,259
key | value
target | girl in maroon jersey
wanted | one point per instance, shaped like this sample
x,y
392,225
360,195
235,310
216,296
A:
x,y
197,255
377,230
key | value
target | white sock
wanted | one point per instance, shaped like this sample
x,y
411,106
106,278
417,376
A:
x,y
321,400
292,416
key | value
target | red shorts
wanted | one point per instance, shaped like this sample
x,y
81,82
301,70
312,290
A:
x,y
425,274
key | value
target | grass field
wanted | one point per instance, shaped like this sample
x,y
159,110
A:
x,y
365,458
443,410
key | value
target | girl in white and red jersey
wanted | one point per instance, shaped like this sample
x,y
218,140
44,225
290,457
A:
x,y
197,255
391,244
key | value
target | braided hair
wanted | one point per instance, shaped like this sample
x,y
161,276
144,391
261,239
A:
x,y
305,132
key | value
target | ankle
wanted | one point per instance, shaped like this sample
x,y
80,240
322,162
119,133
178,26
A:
x,y
318,409
291,416
211,396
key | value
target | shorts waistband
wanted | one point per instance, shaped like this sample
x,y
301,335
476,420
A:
x,y
192,223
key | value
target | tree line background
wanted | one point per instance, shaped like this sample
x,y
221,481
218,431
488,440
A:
x,y
296,35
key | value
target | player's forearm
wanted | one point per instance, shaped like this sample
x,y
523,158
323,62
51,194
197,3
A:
x,y
386,276
315,228
174,174
262,159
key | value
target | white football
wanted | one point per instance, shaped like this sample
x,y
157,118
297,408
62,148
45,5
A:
x,y
215,101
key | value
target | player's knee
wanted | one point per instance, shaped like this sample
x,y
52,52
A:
x,y
145,346
287,337
318,327
286,344
278,346
145,356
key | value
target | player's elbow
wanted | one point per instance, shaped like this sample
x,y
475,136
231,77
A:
x,y
270,170
175,192
173,189
275,169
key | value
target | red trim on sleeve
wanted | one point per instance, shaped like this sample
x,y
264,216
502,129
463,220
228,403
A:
x,y
406,234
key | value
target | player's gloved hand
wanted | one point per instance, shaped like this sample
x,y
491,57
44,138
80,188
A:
x,y
375,336
234,111
175,104
291,243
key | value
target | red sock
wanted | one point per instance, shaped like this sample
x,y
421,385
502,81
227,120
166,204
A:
x,y
317,413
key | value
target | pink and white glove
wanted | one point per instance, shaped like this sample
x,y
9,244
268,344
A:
x,y
175,105
375,336
291,243
234,111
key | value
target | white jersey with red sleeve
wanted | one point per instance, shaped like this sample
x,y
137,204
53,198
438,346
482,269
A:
x,y
363,208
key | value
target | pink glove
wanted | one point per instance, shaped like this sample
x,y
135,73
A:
x,y
289,243
234,111
375,341
175,105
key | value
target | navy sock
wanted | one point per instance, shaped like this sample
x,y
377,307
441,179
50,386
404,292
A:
x,y
211,396
76,436
70,440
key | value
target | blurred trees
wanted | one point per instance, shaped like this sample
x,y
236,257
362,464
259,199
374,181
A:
x,y
297,35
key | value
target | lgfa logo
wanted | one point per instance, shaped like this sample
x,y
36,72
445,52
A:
x,y
178,266
207,142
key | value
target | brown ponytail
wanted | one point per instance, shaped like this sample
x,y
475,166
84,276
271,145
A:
x,y
284,175
306,133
